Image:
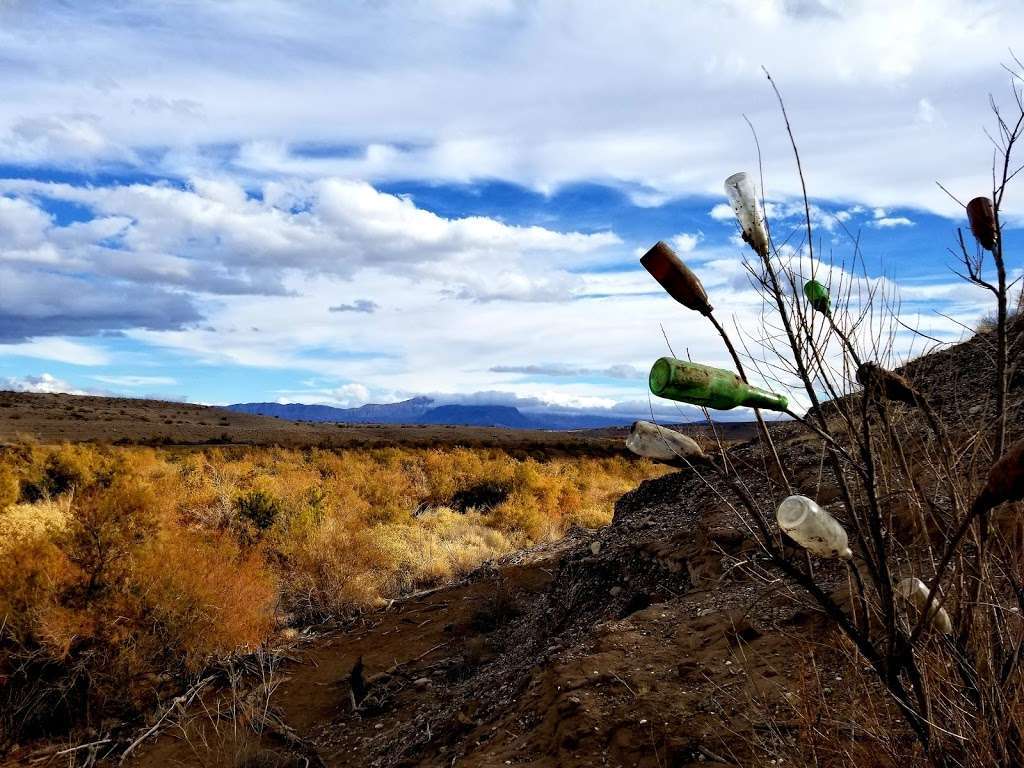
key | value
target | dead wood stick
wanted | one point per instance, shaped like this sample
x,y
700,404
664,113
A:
x,y
184,698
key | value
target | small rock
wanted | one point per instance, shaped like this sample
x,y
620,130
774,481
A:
x,y
422,683
615,591
740,629
569,705
595,547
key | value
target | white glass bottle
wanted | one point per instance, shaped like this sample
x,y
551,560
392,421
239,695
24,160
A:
x,y
813,528
916,593
740,190
660,444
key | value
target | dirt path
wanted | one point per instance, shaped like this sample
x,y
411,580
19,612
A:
x,y
409,652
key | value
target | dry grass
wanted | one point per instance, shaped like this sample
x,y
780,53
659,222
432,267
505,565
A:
x,y
124,566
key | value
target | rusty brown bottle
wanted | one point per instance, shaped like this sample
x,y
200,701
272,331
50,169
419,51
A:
x,y
887,384
1005,480
982,218
676,278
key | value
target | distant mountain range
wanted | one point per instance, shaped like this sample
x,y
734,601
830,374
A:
x,y
421,410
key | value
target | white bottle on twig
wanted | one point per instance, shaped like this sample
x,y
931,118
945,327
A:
x,y
813,528
660,444
916,593
740,190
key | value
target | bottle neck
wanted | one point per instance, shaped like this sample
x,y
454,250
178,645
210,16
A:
x,y
758,398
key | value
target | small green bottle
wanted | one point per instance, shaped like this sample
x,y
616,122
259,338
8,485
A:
x,y
710,387
817,295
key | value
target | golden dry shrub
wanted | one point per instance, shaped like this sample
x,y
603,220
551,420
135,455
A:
x,y
10,487
68,468
127,564
328,569
335,568
134,562
452,543
214,600
34,572
386,490
449,471
48,516
105,529
185,599
439,545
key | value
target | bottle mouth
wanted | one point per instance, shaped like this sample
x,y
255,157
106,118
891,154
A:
x,y
661,375
793,511
737,180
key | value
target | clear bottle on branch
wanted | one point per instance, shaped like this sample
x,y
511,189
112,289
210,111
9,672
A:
x,y
813,528
915,592
740,190
661,444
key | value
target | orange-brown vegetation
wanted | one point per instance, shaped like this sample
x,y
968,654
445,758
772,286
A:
x,y
121,567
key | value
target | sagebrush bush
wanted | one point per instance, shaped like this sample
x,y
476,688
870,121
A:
x,y
62,470
105,530
259,508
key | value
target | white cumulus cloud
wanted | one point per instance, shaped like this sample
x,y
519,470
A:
x,y
44,383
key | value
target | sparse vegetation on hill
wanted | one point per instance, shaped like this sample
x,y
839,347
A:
x,y
124,566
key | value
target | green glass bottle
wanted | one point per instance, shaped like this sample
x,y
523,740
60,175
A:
x,y
817,295
710,387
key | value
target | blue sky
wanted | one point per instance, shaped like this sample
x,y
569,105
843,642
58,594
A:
x,y
352,202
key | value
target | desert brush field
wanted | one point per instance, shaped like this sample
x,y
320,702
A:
x,y
123,567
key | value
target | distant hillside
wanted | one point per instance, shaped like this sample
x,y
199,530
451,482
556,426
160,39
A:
x,y
421,410
55,418
405,412
477,415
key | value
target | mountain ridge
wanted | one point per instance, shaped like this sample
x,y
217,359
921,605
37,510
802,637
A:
x,y
422,410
